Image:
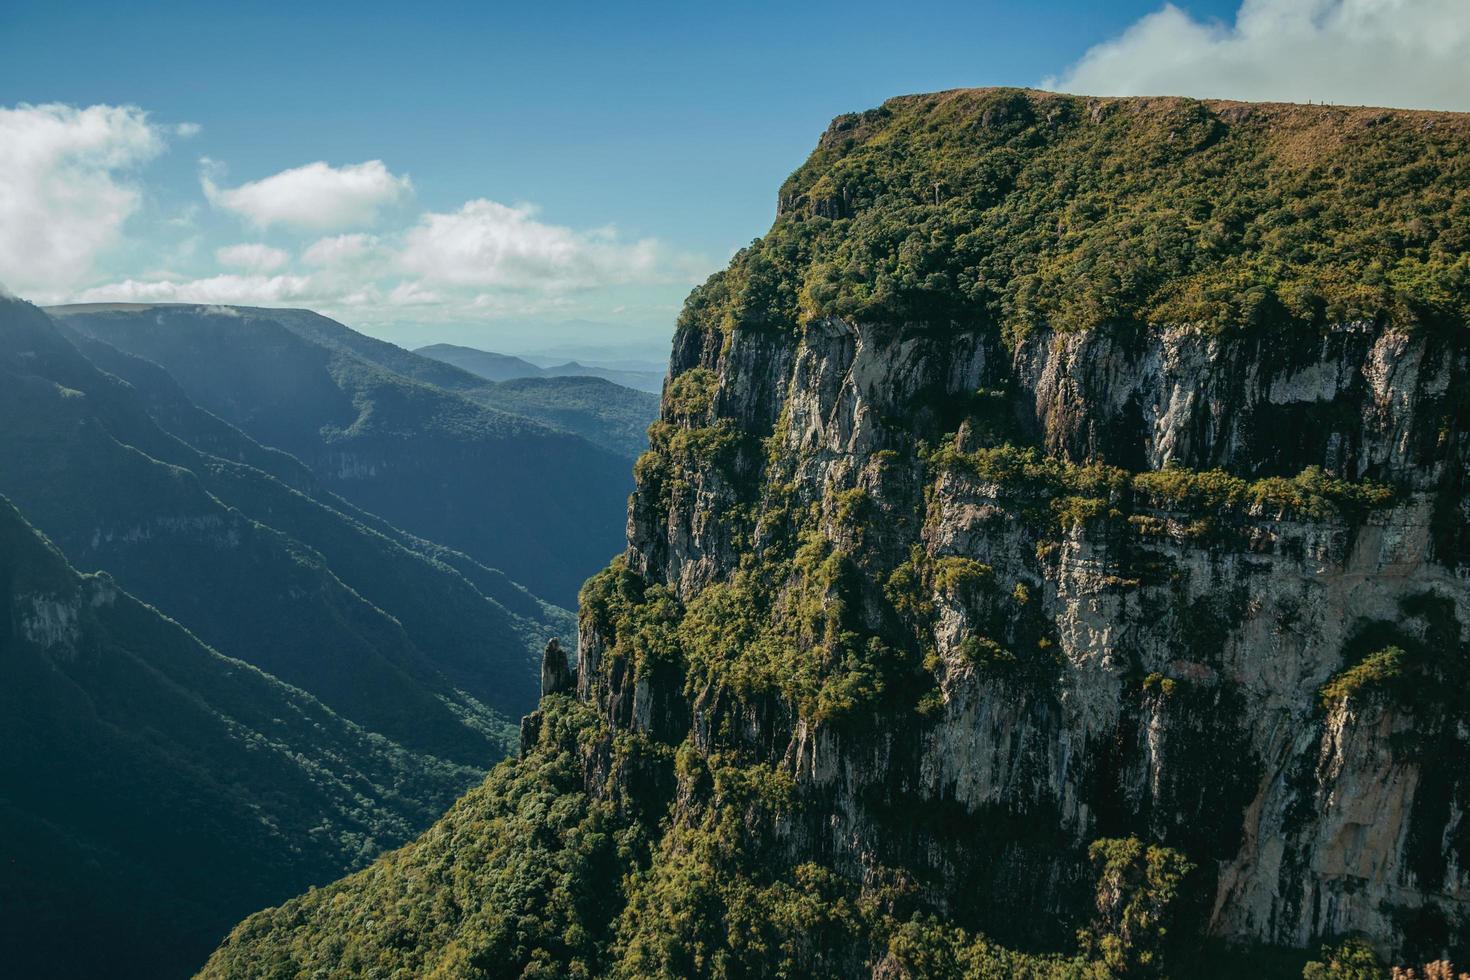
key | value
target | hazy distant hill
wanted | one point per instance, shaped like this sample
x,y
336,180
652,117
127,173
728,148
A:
x,y
152,790
402,436
649,381
608,414
594,404
503,367
486,364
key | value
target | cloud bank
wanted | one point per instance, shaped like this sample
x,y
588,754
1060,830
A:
x,y
70,179
231,289
1401,53
340,251
66,188
252,257
486,244
316,197
485,259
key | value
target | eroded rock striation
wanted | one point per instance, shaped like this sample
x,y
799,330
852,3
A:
x,y
1156,661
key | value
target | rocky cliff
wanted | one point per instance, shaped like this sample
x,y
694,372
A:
x,y
1134,659
1053,540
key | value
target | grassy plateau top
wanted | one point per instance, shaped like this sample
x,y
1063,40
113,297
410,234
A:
x,y
1021,208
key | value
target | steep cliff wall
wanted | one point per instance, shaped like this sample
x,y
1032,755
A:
x,y
1054,532
1153,659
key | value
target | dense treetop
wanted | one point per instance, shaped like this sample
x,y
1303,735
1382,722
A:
x,y
1022,208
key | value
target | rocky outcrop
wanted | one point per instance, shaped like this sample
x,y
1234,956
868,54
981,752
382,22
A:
x,y
556,676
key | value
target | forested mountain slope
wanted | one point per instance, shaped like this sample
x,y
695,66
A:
x,y
151,790
387,635
392,432
484,363
605,413
1051,560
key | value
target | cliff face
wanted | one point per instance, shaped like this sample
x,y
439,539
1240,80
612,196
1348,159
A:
x,y
1053,539
1182,698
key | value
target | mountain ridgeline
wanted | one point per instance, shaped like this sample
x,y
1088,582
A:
x,y
503,367
1050,561
610,408
414,441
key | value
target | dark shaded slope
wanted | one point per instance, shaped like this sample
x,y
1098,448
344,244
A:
x,y
369,420
152,790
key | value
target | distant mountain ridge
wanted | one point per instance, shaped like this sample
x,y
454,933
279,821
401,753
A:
x,y
411,439
487,364
505,367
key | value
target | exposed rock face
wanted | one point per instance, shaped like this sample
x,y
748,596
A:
x,y
1183,702
556,675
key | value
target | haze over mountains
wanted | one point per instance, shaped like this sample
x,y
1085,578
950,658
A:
x,y
504,367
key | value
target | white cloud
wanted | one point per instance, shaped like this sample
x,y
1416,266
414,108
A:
x,y
243,290
484,259
251,257
414,294
340,250
314,197
485,244
1403,53
187,130
185,217
65,188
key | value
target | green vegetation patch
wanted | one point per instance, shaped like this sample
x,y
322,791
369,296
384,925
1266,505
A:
x,y
790,627
1020,208
1080,493
520,878
1373,672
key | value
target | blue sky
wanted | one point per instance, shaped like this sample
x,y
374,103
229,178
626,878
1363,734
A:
x,y
619,152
